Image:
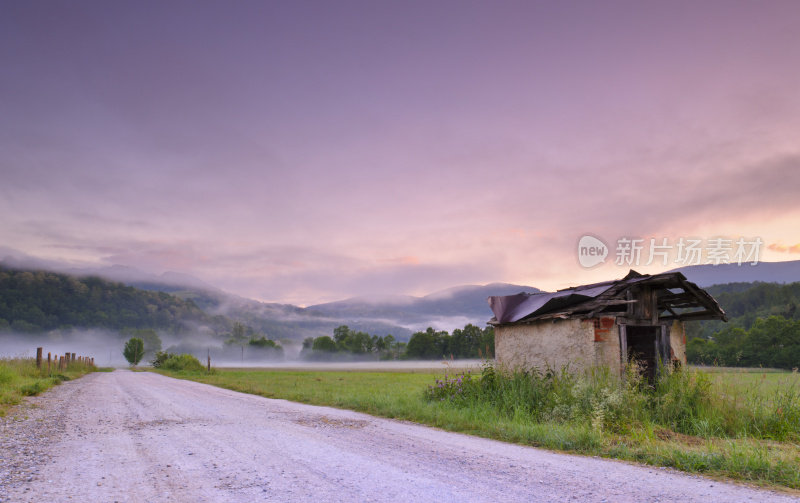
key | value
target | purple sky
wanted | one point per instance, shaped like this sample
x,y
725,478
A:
x,y
309,151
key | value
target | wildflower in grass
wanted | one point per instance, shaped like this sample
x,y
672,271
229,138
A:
x,y
449,388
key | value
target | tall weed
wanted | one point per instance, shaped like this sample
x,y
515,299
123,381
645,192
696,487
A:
x,y
681,401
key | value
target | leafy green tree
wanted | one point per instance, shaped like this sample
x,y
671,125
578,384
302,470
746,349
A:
x,y
770,342
134,350
340,335
263,342
388,348
238,332
358,343
487,343
324,343
266,344
700,351
423,345
152,342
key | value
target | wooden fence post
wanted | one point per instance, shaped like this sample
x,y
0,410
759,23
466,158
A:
x,y
39,358
73,357
49,370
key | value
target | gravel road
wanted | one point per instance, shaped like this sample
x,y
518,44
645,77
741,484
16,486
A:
x,y
141,437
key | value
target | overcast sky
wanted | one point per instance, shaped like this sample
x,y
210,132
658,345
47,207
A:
x,y
309,151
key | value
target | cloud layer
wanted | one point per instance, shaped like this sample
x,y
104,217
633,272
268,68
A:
x,y
303,152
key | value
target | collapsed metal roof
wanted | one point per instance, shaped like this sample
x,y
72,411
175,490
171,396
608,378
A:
x,y
587,301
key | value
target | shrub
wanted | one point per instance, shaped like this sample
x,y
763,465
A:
x,y
160,358
183,362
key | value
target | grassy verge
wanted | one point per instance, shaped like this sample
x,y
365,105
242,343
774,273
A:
x,y
735,425
19,377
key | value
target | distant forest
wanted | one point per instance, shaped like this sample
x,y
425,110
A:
x,y
469,342
36,301
763,327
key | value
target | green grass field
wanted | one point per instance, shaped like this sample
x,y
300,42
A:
x,y
734,448
762,381
19,377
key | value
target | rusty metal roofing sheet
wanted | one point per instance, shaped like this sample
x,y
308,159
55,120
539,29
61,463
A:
x,y
525,306
511,308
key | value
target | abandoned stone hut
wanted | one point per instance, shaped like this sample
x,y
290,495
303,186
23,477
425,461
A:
x,y
640,316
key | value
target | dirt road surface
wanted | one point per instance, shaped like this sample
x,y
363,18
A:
x,y
142,437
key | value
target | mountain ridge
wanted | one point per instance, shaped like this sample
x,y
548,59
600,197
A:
x,y
396,314
706,275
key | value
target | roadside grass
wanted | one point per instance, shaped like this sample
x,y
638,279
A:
x,y
19,378
740,425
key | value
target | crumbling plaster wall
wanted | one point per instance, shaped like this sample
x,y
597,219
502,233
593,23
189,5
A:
x,y
546,345
577,343
677,341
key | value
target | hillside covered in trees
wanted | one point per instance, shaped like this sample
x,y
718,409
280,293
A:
x,y
763,327
36,301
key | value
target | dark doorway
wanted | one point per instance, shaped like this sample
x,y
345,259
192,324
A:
x,y
643,348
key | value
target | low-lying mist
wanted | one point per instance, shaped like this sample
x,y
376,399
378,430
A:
x,y
366,366
106,349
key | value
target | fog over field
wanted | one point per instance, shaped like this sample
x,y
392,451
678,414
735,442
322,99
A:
x,y
369,366
106,349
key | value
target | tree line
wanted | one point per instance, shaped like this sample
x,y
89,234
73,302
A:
x,y
763,328
772,342
469,342
744,303
259,346
353,343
